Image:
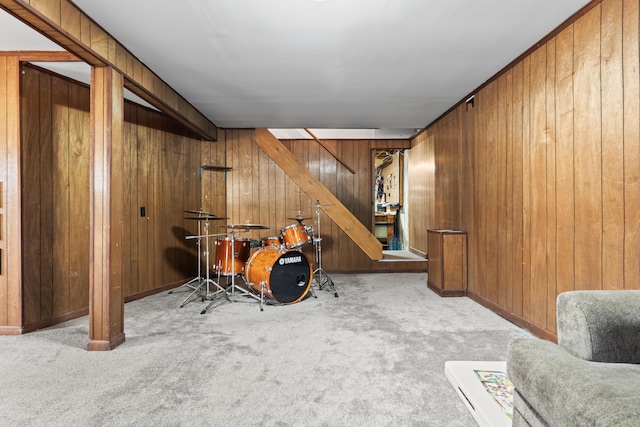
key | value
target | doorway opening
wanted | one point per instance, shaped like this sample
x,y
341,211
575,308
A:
x,y
388,218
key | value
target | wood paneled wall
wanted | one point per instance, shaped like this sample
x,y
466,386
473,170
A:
x,y
548,162
55,195
162,174
435,180
258,191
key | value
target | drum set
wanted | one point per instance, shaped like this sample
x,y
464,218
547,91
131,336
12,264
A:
x,y
273,267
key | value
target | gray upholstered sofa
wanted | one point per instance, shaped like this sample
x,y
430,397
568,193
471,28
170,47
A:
x,y
592,377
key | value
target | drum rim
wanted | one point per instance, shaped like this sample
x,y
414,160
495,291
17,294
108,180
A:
x,y
237,239
294,225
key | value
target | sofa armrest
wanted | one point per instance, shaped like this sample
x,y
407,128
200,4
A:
x,y
601,326
566,391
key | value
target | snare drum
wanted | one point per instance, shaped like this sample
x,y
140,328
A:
x,y
230,262
285,275
296,235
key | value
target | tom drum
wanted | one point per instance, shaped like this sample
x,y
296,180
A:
x,y
271,241
296,235
228,261
286,275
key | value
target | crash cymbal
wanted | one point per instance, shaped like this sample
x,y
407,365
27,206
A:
x,y
299,218
318,204
201,218
247,226
199,212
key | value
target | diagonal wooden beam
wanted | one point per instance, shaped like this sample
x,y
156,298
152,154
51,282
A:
x,y
311,185
331,151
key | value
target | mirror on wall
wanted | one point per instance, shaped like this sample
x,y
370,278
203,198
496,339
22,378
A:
x,y
388,194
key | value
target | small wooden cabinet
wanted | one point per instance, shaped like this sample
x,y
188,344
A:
x,y
447,253
385,226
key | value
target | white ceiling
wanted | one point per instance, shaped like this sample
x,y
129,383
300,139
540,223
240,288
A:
x,y
394,65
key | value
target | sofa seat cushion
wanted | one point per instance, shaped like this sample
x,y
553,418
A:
x,y
567,391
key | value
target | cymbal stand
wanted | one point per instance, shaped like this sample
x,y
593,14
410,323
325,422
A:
x,y
233,285
198,279
323,277
207,279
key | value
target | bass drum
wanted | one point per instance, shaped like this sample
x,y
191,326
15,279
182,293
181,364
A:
x,y
286,275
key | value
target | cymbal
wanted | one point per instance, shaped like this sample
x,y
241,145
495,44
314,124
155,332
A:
x,y
299,218
199,212
247,226
318,204
208,218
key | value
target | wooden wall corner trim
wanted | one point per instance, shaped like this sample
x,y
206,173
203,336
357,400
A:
x,y
11,330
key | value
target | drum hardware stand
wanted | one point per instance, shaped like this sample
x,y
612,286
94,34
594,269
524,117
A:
x,y
233,285
198,278
323,277
207,280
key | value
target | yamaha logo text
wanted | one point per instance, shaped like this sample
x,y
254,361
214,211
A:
x,y
290,260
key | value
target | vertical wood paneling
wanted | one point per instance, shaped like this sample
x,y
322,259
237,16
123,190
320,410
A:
x,y
145,199
4,163
9,117
502,217
588,150
476,243
131,202
59,158
157,215
568,147
508,217
160,157
47,200
481,192
612,146
33,281
526,188
418,165
538,184
631,105
565,182
517,120
550,191
491,190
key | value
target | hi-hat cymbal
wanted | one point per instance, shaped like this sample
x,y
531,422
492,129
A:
x,y
247,226
299,218
205,218
199,212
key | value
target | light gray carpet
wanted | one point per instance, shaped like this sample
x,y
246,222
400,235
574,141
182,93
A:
x,y
374,356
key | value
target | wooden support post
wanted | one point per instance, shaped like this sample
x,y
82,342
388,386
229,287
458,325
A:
x,y
106,297
11,322
311,185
